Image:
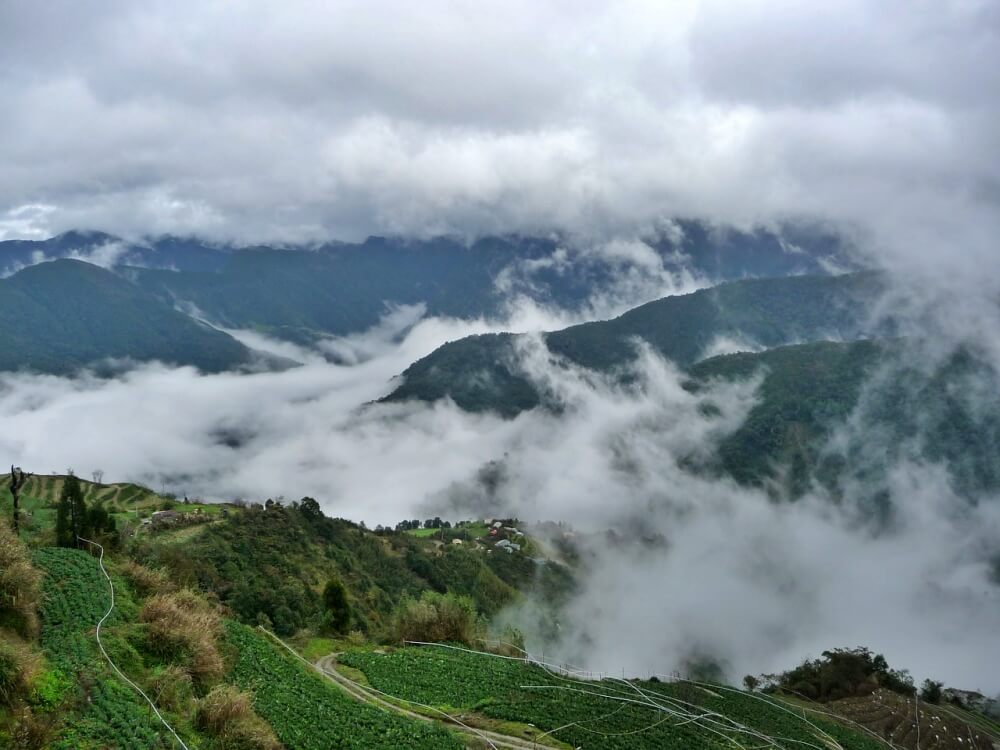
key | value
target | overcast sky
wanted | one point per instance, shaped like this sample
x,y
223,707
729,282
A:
x,y
290,121
300,121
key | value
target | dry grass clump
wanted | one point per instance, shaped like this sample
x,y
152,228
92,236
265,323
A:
x,y
20,666
31,731
227,714
185,628
20,585
147,581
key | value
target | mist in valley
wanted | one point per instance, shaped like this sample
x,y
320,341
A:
x,y
700,568
662,118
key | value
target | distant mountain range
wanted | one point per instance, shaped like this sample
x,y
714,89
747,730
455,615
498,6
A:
x,y
814,337
914,406
482,373
301,294
59,313
57,317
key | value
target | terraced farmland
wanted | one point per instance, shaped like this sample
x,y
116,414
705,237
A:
x,y
110,714
309,713
611,714
906,723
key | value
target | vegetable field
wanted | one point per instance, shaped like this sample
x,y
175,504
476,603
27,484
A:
x,y
611,714
309,713
76,597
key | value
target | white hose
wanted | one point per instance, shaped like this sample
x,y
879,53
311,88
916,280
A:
x,y
364,688
114,666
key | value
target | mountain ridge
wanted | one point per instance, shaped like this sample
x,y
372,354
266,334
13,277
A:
x,y
63,315
480,373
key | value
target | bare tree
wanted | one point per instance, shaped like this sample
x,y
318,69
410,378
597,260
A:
x,y
98,476
17,478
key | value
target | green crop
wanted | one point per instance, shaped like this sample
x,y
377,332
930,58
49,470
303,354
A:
x,y
309,713
76,597
608,714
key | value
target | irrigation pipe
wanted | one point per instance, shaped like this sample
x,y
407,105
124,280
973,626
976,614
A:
x,y
701,719
648,703
363,688
724,688
829,714
114,666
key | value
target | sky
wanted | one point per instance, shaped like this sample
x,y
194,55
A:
x,y
298,122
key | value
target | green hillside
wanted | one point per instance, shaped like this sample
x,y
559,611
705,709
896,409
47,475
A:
x,y
57,317
480,373
269,565
611,714
128,503
183,630
912,407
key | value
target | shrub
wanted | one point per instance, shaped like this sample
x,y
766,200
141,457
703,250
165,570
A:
x,y
931,691
19,668
20,585
172,688
356,638
227,714
509,642
338,609
183,627
437,617
31,731
845,673
147,581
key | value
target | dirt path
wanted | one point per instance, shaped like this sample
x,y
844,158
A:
x,y
326,666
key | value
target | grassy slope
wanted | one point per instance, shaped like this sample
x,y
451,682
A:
x,y
308,712
96,709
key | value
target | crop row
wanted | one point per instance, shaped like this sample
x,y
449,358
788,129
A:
x,y
76,596
309,713
592,714
586,714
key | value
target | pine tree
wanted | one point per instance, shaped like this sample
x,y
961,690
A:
x,y
64,527
71,515
337,607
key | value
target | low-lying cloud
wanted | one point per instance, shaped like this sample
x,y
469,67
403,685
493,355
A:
x,y
729,573
298,122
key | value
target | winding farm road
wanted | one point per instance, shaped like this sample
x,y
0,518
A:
x,y
326,666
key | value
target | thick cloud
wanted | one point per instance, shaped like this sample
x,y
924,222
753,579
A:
x,y
702,566
299,121
302,120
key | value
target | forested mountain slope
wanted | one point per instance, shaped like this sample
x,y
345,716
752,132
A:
x,y
301,292
57,317
482,373
903,403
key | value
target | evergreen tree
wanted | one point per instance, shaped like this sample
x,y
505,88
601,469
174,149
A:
x,y
71,514
337,606
64,524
